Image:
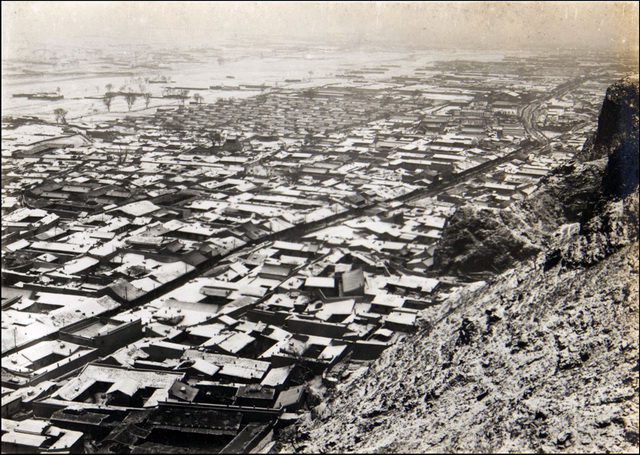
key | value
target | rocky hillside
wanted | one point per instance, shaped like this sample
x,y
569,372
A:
x,y
542,358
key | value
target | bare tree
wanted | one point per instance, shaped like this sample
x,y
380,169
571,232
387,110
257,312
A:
x,y
216,138
109,87
309,138
130,98
107,99
309,93
61,115
198,98
184,94
122,155
147,99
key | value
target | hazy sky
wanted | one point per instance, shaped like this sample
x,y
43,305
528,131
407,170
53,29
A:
x,y
496,25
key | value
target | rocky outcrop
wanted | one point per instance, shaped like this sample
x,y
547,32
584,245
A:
x,y
613,226
617,138
621,177
481,240
542,358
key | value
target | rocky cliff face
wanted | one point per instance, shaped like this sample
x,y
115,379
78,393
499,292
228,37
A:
x,y
617,137
542,358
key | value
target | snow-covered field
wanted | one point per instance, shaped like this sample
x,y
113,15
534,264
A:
x,y
317,66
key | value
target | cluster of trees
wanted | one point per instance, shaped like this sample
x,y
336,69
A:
x,y
130,96
61,115
182,95
310,93
216,138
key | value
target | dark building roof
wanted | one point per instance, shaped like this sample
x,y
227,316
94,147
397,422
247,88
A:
x,y
275,270
253,392
196,420
84,417
127,434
